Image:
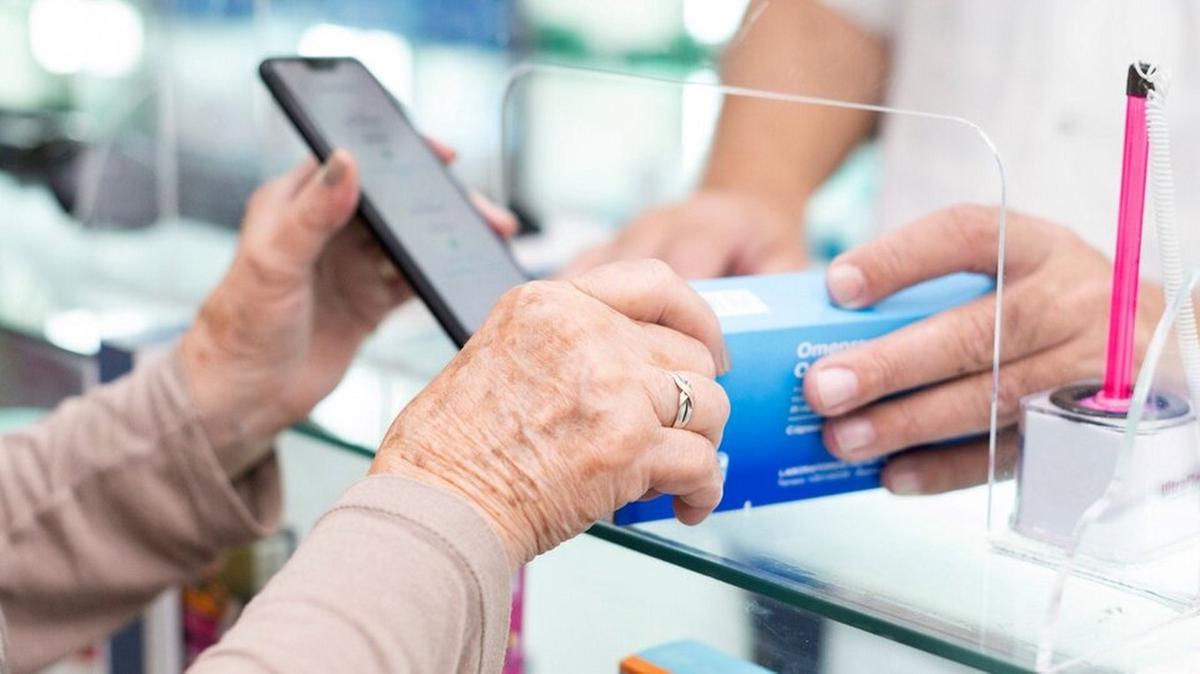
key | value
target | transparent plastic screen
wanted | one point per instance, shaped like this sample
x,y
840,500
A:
x,y
610,166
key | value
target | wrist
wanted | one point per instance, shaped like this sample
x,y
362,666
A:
x,y
226,418
786,210
489,498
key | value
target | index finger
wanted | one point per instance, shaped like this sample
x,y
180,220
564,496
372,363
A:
x,y
648,291
963,339
959,238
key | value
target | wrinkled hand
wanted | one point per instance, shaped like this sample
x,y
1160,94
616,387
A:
x,y
1054,325
559,410
713,233
304,291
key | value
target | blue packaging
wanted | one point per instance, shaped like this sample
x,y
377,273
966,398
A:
x,y
776,327
687,657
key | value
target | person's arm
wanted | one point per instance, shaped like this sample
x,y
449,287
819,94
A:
x,y
768,156
114,497
127,490
560,410
397,577
780,152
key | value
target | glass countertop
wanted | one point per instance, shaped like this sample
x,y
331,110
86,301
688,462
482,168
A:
x,y
917,570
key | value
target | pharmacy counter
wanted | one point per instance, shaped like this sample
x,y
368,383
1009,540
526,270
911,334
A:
x,y
917,571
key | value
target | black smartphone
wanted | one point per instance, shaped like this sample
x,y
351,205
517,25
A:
x,y
420,214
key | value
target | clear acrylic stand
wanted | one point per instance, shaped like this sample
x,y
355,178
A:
x,y
1143,532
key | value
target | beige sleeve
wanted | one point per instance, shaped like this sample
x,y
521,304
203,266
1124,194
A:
x,y
397,577
112,498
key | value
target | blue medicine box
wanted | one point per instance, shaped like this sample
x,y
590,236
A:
x,y
776,327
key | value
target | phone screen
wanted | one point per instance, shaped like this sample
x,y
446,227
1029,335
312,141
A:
x,y
468,266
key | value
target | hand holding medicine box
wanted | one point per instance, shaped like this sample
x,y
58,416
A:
x,y
776,327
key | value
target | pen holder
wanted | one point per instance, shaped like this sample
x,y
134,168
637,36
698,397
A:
x,y
1068,456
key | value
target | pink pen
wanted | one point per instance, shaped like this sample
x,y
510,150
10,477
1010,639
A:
x,y
1087,482
1118,375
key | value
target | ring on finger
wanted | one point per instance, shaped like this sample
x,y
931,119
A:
x,y
687,402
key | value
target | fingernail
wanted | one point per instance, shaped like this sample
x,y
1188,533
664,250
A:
x,y
726,363
904,483
835,386
846,284
853,434
335,170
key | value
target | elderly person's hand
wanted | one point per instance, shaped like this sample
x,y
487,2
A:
x,y
931,381
712,233
305,289
560,409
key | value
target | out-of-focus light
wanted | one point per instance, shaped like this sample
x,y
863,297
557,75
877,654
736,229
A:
x,y
712,21
82,330
76,330
388,56
99,37
611,26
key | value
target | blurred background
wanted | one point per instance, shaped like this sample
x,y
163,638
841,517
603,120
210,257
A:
x,y
161,98
132,131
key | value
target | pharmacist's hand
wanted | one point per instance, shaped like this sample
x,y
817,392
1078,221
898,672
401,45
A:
x,y
559,410
1055,318
305,289
713,233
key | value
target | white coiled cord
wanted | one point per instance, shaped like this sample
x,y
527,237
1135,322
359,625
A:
x,y
1169,246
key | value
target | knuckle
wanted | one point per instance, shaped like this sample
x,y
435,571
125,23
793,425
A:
x,y
880,371
1013,316
698,468
1013,386
975,337
264,268
885,259
530,301
974,226
656,395
657,271
632,437
1033,320
902,422
701,359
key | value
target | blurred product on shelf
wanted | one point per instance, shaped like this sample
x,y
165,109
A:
x,y
687,657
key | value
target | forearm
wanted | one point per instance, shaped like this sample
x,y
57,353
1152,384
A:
x,y
114,497
780,151
397,577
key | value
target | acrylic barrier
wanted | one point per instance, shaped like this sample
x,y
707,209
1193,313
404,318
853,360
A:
x,y
1085,542
612,166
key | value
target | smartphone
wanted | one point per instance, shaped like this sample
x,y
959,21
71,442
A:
x,y
419,213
